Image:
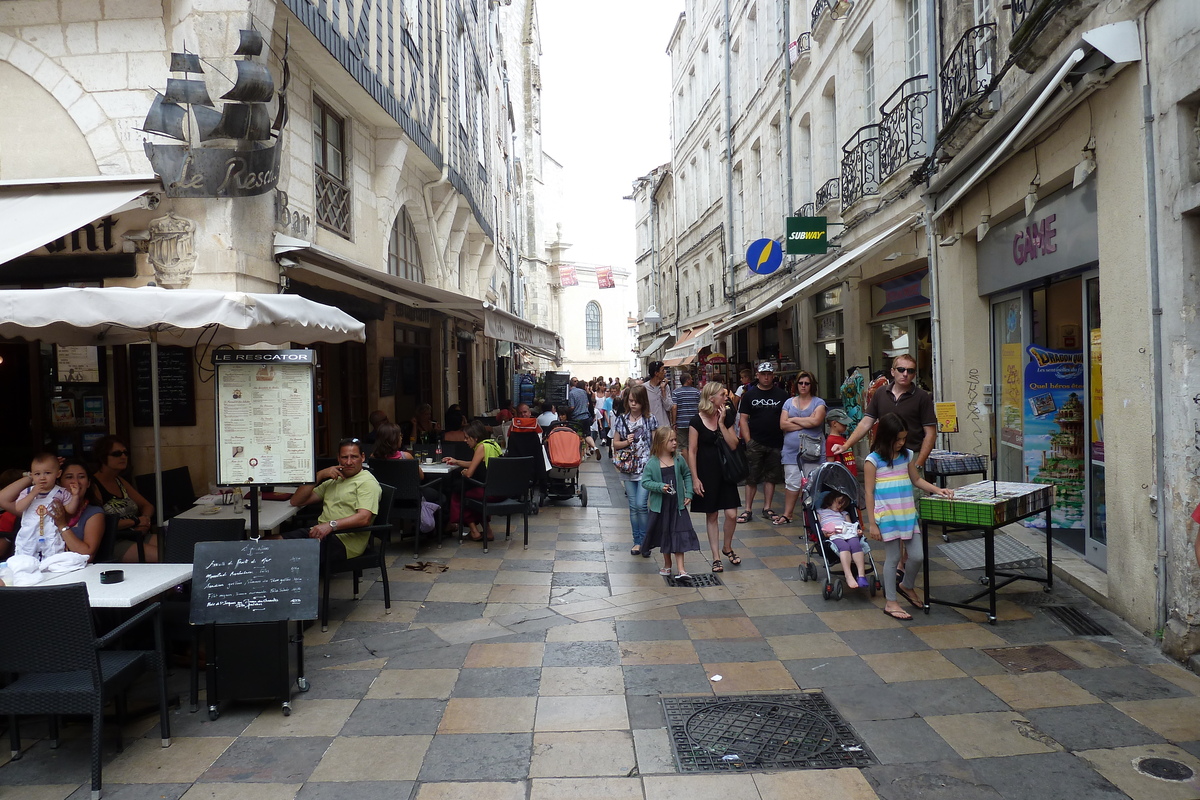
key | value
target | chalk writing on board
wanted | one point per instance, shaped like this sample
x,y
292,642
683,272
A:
x,y
255,581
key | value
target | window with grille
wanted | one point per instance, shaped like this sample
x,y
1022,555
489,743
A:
x,y
404,256
329,164
591,318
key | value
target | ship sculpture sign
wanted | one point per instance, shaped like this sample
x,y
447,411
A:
x,y
233,152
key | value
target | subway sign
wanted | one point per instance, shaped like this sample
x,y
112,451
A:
x,y
806,236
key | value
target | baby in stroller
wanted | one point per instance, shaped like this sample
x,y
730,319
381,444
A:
x,y
844,535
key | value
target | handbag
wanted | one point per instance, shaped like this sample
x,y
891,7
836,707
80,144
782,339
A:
x,y
626,461
734,467
810,448
428,515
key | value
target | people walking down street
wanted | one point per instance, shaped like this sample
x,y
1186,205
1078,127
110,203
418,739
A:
x,y
668,481
632,434
910,402
759,412
802,421
890,512
715,495
581,413
687,403
662,401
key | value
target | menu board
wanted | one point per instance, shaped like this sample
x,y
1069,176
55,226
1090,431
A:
x,y
556,387
255,581
176,387
264,416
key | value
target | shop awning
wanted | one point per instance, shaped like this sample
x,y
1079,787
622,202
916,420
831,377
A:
x,y
505,327
680,362
845,259
33,213
690,344
654,346
298,254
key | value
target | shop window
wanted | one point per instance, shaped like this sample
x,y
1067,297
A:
x,y
329,164
830,344
404,256
592,322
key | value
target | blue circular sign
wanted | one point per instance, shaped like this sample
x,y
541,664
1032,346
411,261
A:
x,y
764,256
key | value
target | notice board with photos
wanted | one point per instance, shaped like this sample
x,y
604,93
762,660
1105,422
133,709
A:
x,y
265,430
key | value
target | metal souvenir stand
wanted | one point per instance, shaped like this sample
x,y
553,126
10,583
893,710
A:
x,y
1009,503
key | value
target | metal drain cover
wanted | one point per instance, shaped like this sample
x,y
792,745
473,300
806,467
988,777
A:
x,y
1076,621
693,581
1032,658
739,732
1166,769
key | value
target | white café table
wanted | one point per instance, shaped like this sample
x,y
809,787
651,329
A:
x,y
142,582
439,468
271,514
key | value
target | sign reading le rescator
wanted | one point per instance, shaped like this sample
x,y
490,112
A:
x,y
806,235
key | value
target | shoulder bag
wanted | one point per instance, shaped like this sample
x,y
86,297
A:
x,y
734,467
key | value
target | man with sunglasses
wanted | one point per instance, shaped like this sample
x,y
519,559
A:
x,y
910,402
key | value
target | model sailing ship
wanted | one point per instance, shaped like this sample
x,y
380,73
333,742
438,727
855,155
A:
x,y
207,165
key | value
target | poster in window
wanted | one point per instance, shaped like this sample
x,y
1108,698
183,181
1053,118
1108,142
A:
x,y
78,364
62,412
93,412
1054,434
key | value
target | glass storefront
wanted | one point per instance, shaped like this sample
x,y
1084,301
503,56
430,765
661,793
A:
x,y
830,344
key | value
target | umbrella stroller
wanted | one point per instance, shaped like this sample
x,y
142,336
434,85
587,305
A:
x,y
831,477
563,448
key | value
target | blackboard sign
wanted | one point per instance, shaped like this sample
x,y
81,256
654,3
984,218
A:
x,y
389,376
176,386
255,581
556,387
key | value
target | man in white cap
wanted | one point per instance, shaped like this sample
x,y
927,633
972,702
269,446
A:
x,y
759,413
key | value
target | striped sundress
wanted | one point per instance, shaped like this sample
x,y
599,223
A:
x,y
895,509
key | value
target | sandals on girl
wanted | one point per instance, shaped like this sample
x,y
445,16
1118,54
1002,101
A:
x,y
733,557
780,519
745,516
716,567
664,572
769,515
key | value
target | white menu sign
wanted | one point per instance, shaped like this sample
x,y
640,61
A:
x,y
264,416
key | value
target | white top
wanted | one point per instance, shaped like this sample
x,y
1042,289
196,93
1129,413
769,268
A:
x,y
26,543
142,582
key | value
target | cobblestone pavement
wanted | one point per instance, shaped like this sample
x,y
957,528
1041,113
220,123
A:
x,y
537,673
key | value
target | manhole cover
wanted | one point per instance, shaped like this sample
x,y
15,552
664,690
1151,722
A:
x,y
693,581
1076,621
1032,658
739,732
1165,768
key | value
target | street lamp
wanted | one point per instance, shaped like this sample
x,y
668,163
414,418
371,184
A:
x,y
652,317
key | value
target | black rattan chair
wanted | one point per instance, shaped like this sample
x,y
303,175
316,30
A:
x,y
57,665
405,476
373,556
506,491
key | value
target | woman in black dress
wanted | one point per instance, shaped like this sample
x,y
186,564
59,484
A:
x,y
713,494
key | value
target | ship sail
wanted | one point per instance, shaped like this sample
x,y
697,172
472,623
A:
x,y
166,118
254,84
237,121
185,62
208,123
187,92
251,43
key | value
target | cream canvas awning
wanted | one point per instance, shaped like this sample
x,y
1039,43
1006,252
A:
x,y
654,346
33,213
505,327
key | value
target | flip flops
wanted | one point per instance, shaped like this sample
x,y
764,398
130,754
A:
x,y
780,519
899,614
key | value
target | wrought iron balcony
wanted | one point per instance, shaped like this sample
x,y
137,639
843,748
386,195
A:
x,y
1019,12
968,71
799,53
860,165
829,191
819,8
902,136
1040,26
806,210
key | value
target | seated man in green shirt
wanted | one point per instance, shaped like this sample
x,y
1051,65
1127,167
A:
x,y
350,499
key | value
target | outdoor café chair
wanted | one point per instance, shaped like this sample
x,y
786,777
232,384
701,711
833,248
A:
x,y
506,491
57,665
405,476
373,556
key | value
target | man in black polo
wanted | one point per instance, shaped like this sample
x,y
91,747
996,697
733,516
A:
x,y
910,402
759,412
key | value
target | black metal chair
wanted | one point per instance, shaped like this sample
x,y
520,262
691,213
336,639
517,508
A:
x,y
57,664
506,491
178,494
405,476
373,556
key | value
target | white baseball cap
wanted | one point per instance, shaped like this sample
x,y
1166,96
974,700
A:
x,y
766,366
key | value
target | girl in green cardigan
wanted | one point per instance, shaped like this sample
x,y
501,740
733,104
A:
x,y
668,481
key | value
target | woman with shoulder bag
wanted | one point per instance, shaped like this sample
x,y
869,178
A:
x,y
631,437
713,494
802,421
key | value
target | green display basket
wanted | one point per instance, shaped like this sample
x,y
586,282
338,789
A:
x,y
987,504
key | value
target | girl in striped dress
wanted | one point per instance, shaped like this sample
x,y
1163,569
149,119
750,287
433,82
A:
x,y
890,511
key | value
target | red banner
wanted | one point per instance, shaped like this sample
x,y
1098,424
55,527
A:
x,y
567,276
604,278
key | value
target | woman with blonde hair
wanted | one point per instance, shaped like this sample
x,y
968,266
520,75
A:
x,y
712,493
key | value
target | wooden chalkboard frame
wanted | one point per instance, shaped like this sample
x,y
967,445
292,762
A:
x,y
177,404
255,581
558,385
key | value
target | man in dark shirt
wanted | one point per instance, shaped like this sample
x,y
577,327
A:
x,y
759,411
910,402
687,405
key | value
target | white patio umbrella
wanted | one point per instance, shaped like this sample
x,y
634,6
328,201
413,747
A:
x,y
117,315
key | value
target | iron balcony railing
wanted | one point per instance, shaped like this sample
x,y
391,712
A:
x,y
903,136
799,48
968,71
820,7
806,210
860,165
829,191
1019,11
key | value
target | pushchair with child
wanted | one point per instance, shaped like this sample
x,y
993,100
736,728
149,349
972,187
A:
x,y
824,480
564,451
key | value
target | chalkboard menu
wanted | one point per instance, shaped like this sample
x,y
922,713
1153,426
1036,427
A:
x,y
255,581
176,386
556,387
389,376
